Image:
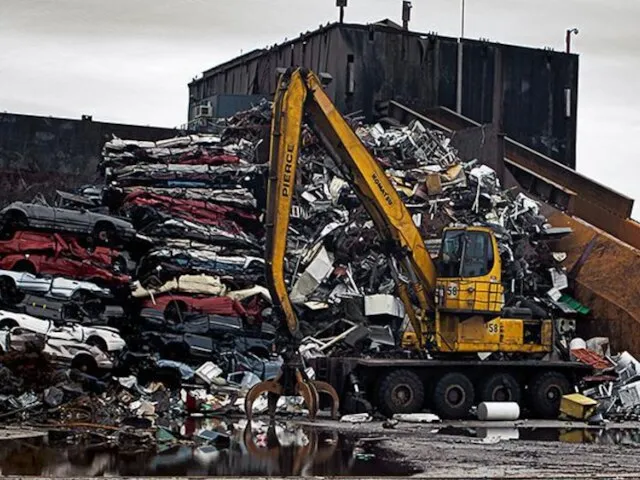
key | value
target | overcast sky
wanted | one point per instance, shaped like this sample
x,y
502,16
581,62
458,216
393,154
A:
x,y
130,61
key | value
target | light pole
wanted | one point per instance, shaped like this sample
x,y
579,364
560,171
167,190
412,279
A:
x,y
570,31
462,21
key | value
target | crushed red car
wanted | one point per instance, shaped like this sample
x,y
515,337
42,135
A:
x,y
55,245
176,306
233,219
63,266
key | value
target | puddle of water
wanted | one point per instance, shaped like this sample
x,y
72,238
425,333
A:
x,y
282,451
595,436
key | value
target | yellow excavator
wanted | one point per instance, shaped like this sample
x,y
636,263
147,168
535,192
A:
x,y
454,307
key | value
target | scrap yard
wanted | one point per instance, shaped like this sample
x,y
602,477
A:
x,y
319,278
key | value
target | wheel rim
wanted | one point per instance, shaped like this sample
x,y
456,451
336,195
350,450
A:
x,y
402,395
501,394
455,395
553,393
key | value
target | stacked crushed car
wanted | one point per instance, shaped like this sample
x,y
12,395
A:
x,y
169,251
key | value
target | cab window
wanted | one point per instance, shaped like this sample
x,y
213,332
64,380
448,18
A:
x,y
465,254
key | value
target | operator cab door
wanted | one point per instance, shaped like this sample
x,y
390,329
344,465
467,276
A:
x,y
469,267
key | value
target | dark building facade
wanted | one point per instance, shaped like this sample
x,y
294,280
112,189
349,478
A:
x,y
43,154
531,94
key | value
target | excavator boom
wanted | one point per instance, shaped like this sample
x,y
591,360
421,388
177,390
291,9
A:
x,y
300,97
301,93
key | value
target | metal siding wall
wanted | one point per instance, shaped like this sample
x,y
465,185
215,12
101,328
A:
x,y
447,75
477,81
421,71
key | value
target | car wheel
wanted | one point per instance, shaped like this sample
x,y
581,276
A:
x,y
175,311
89,303
7,324
24,266
14,221
104,233
546,391
9,293
85,364
98,342
400,391
453,396
120,265
501,387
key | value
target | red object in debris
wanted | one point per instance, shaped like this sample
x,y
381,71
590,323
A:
x,y
591,358
191,403
173,305
208,159
66,267
207,213
55,245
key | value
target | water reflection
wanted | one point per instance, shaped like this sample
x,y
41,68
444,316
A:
x,y
276,451
599,436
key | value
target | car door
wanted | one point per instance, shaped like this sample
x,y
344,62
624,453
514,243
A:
x,y
32,283
66,333
60,266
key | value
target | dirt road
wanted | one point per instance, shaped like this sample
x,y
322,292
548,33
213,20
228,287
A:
x,y
539,450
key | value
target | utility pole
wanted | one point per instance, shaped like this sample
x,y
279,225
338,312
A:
x,y
341,4
406,14
460,63
568,37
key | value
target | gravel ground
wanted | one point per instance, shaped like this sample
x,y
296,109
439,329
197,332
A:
x,y
439,454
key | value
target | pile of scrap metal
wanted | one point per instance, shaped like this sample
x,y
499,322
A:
x,y
169,252
613,393
337,268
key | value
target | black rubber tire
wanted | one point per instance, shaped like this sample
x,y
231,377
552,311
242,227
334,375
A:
x,y
98,342
545,392
400,391
175,311
13,222
501,387
9,292
87,301
120,265
85,364
104,233
453,396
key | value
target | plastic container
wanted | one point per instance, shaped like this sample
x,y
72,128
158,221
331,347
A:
x,y
488,411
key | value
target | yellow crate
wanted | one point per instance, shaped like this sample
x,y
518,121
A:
x,y
577,406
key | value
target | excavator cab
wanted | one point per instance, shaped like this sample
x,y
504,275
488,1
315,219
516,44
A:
x,y
469,272
469,298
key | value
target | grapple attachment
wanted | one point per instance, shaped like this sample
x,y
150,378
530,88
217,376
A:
x,y
292,381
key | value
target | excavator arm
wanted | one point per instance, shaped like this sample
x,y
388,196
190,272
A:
x,y
300,97
300,92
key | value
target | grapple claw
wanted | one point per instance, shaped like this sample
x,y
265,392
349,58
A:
x,y
307,390
324,387
272,387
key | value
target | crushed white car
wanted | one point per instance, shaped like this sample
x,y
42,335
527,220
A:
x,y
12,283
105,338
86,358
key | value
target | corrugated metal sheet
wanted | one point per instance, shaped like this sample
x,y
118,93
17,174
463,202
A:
x,y
420,71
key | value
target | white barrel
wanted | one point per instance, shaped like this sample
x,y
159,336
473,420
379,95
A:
x,y
498,411
577,343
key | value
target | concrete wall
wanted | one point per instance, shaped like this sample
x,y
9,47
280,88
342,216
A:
x,y
520,90
42,154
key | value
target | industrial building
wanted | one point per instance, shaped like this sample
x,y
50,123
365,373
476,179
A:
x,y
529,94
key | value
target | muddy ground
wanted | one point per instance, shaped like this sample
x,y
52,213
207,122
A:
x,y
545,449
